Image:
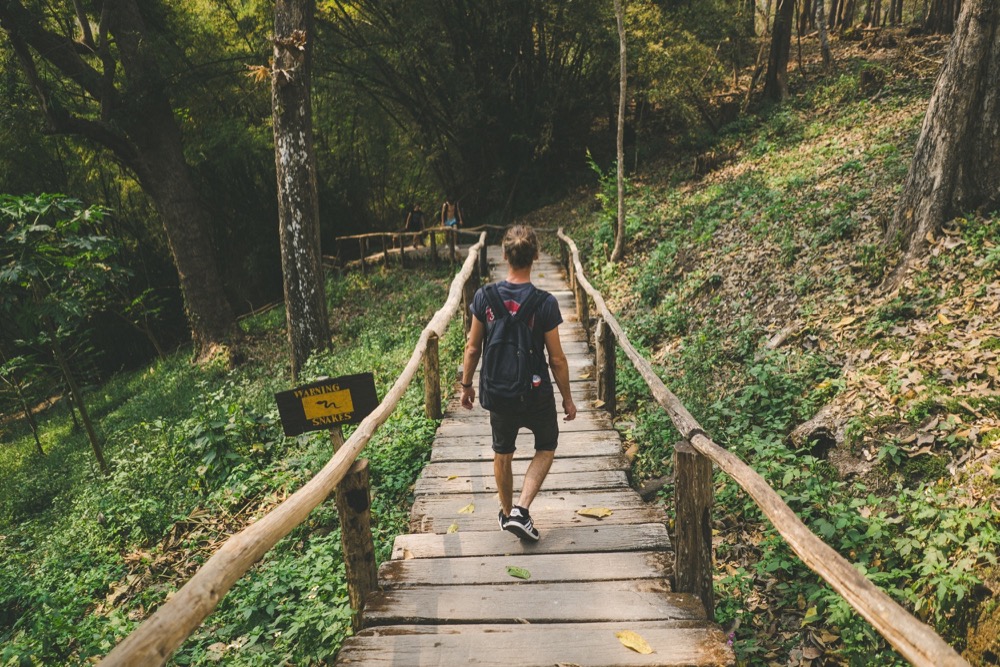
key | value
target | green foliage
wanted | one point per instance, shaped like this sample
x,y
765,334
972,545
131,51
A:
x,y
196,452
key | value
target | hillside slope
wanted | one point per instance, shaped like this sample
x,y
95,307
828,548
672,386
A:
x,y
755,289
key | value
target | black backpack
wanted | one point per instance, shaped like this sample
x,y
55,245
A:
x,y
512,353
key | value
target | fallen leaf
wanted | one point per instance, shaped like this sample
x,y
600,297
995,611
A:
x,y
598,403
811,653
634,641
468,509
942,319
453,528
407,554
811,615
844,322
518,572
450,477
584,376
596,512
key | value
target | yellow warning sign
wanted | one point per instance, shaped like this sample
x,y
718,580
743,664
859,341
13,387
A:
x,y
328,404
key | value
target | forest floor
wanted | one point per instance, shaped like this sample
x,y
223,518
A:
x,y
773,263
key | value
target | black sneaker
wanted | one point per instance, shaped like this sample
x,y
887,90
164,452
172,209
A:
x,y
502,520
519,523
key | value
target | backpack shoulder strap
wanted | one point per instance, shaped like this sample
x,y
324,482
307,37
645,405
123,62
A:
x,y
495,302
535,299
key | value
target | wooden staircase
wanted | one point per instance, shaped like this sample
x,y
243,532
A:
x,y
447,597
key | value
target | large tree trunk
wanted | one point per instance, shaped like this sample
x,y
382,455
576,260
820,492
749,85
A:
x,y
298,203
776,79
137,125
751,17
619,249
956,163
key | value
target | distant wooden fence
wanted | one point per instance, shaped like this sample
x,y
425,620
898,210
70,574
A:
x,y
384,244
693,494
158,637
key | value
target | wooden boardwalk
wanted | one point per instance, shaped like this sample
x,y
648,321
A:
x,y
447,597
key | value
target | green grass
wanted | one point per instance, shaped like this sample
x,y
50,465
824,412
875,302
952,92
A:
x,y
196,451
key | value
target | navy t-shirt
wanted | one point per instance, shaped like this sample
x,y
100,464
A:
x,y
546,318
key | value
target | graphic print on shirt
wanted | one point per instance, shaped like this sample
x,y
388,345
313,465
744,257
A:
x,y
512,308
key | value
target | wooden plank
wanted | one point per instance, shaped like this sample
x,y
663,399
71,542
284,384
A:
x,y
585,421
436,514
475,448
595,539
544,568
545,519
561,464
555,481
674,644
623,601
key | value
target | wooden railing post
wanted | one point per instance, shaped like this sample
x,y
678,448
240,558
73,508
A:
x,y
604,343
452,234
434,248
363,245
402,251
468,292
484,266
582,308
693,496
353,499
385,251
432,378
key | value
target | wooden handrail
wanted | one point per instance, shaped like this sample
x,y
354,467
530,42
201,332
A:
x,y
160,635
914,640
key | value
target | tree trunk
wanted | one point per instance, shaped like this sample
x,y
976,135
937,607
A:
x,y
298,203
74,390
805,16
619,249
824,38
776,79
832,16
941,16
137,125
751,17
956,163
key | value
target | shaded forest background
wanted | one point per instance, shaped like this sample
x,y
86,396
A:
x,y
509,107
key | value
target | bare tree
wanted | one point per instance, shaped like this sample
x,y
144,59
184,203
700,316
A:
x,y
298,202
956,163
619,249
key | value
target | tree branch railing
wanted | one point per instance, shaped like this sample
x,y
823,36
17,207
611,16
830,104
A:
x,y
161,634
912,638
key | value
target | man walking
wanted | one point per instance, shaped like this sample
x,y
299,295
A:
x,y
494,307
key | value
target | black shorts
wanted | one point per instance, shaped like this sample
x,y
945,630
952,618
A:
x,y
539,418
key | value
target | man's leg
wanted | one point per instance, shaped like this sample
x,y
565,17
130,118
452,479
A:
x,y
533,478
505,480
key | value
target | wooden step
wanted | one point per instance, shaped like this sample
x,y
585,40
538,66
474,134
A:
x,y
561,464
478,447
674,644
543,568
622,601
555,481
598,539
437,514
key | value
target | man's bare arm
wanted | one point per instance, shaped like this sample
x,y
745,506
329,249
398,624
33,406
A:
x,y
560,371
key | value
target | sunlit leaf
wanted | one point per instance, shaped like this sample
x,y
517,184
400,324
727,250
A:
x,y
453,528
596,512
518,572
634,641
468,509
